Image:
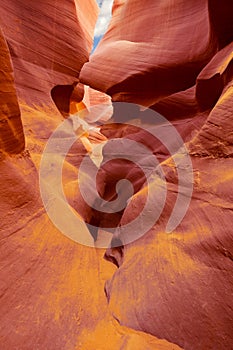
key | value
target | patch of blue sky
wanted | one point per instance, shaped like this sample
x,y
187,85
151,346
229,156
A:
x,y
103,20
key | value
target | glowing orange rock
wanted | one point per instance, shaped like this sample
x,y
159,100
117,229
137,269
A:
x,y
176,285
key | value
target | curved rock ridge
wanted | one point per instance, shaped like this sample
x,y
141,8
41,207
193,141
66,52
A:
x,y
215,138
47,279
214,77
182,285
49,42
122,338
11,129
176,300
150,52
176,286
51,289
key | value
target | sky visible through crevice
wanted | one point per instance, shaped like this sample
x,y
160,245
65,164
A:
x,y
103,20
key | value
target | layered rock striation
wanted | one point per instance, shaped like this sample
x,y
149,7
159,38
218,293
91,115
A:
x,y
177,59
169,290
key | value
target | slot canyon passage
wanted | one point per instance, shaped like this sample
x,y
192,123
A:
x,y
161,290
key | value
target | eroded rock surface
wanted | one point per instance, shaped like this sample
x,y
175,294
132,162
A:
x,y
11,129
151,51
176,286
49,43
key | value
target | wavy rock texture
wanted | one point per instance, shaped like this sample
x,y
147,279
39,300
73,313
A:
x,y
51,288
162,53
182,285
176,286
11,130
49,42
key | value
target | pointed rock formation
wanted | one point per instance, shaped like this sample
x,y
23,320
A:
x,y
11,129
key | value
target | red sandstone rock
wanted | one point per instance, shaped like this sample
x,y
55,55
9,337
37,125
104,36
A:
x,y
51,289
215,137
174,286
213,78
152,51
182,285
46,278
49,43
11,130
97,106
